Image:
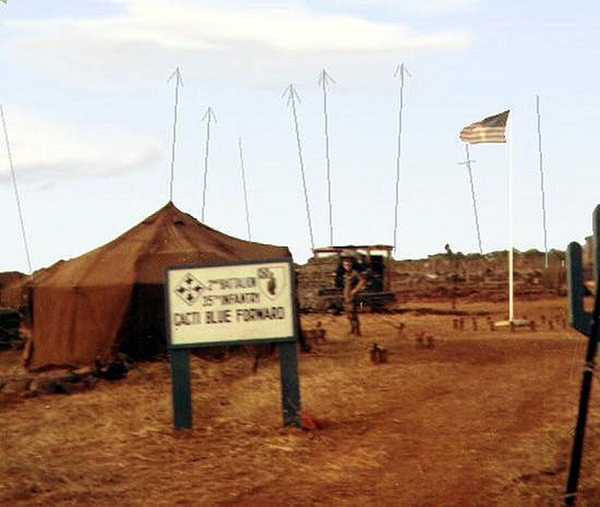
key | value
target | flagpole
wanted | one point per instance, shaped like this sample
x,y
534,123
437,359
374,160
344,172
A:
x,y
493,130
510,219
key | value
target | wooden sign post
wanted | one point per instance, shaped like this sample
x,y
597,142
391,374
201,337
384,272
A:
x,y
228,304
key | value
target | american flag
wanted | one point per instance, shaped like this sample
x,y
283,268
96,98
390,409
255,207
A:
x,y
488,130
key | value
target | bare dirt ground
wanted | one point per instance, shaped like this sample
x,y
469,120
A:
x,y
484,418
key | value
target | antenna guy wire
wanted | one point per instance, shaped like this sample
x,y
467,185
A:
x,y
14,179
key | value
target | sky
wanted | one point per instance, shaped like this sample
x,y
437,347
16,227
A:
x,y
89,114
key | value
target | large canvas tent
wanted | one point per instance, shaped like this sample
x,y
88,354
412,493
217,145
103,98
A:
x,y
111,299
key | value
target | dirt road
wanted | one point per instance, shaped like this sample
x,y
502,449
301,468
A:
x,y
481,419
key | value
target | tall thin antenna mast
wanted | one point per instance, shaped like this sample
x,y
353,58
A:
x,y
14,180
324,80
401,69
244,188
207,116
539,129
292,96
178,82
511,205
473,197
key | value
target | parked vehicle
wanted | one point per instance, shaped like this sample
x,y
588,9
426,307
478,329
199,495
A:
x,y
375,260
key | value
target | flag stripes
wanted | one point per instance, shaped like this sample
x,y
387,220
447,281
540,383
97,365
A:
x,y
488,130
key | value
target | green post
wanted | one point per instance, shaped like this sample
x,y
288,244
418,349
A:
x,y
587,324
180,381
290,384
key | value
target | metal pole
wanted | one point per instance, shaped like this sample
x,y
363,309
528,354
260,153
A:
x,y
244,188
178,82
209,115
468,164
539,128
292,96
511,305
398,153
586,382
324,79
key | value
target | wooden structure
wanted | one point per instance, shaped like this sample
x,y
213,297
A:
x,y
375,260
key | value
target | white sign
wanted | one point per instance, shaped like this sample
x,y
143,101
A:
x,y
230,302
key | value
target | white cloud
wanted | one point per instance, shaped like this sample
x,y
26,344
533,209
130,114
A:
x,y
150,35
408,7
46,150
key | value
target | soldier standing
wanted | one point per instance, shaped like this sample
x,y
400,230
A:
x,y
354,281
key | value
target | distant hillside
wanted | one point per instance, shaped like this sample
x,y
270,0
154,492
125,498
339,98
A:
x,y
439,276
443,276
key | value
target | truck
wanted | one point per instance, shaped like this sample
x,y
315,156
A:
x,y
377,263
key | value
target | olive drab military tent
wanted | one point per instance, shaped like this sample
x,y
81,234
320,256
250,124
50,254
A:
x,y
112,299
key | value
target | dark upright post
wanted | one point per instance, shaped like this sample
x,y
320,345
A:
x,y
180,380
578,317
290,385
580,321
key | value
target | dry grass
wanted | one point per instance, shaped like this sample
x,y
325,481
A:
x,y
484,418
